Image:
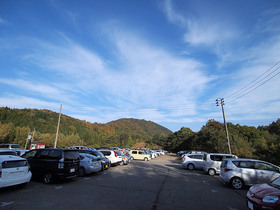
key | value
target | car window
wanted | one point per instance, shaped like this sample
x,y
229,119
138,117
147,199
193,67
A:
x,y
43,154
216,157
98,154
14,164
55,154
265,166
30,154
15,146
8,152
71,155
141,152
224,163
244,164
199,157
134,152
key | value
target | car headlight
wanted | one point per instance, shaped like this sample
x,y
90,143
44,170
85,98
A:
x,y
103,161
270,199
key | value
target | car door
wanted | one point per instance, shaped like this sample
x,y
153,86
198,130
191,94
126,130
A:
x,y
198,161
247,171
266,172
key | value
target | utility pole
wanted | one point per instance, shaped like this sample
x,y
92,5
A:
x,y
57,127
28,137
225,123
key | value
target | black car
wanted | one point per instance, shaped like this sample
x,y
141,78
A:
x,y
104,161
52,164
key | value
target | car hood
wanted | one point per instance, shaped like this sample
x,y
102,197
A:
x,y
263,190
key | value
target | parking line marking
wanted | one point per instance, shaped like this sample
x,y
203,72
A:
x,y
58,187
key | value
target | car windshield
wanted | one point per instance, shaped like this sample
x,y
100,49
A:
x,y
276,182
99,154
71,155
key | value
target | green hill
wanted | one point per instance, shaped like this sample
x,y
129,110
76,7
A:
x,y
16,123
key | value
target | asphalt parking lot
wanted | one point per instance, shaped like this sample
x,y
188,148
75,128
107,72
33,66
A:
x,y
157,184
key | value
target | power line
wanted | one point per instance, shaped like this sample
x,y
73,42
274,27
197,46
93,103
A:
x,y
254,84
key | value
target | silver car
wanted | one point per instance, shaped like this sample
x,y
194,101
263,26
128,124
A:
x,y
241,172
192,161
89,164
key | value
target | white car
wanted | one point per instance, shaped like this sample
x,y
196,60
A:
x,y
192,161
112,156
14,170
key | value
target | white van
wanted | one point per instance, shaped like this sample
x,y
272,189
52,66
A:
x,y
212,162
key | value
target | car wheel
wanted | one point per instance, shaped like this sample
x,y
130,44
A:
x,y
190,166
121,163
145,159
48,178
211,172
82,171
132,158
237,183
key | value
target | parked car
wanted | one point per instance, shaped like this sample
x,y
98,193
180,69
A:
x,y
112,156
104,161
192,161
89,164
52,164
240,172
8,152
264,196
14,170
139,155
9,146
125,159
212,162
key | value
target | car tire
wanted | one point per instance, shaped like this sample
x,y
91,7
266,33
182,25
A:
x,y
211,172
132,158
237,183
121,163
48,178
82,171
145,159
191,166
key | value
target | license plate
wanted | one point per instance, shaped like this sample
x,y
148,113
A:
x,y
72,170
250,205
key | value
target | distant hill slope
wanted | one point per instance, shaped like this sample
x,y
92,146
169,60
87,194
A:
x,y
122,131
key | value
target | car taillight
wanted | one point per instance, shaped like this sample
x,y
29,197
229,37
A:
x,y
115,154
61,163
227,169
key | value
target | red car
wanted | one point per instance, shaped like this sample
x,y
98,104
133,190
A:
x,y
264,196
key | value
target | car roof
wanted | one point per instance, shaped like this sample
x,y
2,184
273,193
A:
x,y
248,159
219,154
10,157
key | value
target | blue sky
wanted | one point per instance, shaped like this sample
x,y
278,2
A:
x,y
165,61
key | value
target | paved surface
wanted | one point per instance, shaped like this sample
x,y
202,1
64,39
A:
x,y
157,184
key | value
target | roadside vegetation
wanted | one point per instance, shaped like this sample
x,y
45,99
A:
x,y
246,141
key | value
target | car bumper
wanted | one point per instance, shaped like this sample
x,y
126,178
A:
x,y
15,181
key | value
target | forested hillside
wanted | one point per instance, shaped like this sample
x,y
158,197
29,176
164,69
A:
x,y
250,142
16,123
246,141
